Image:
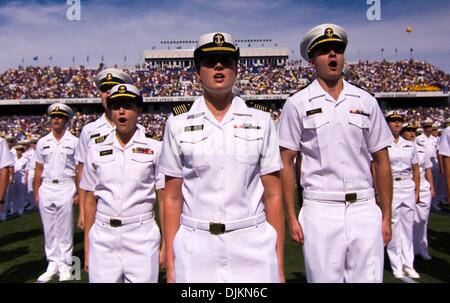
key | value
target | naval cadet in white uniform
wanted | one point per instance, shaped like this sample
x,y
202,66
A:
x,y
420,238
103,126
430,142
121,178
336,127
406,193
18,186
444,151
54,191
30,173
6,160
223,211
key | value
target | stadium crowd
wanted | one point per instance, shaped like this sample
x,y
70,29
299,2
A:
x,y
379,76
24,127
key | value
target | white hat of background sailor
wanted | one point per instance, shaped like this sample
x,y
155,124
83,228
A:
x,y
409,126
394,114
427,123
19,146
109,77
125,92
60,109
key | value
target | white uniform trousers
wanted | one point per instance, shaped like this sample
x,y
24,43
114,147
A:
x,y
18,192
436,175
441,188
421,223
6,204
342,241
246,255
29,197
400,249
128,253
55,208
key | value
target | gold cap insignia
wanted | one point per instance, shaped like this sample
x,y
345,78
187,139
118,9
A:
x,y
219,39
329,32
56,109
122,89
109,77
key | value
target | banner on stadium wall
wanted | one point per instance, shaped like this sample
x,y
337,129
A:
x,y
411,95
146,99
192,98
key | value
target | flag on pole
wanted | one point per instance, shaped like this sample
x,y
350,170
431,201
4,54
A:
x,y
87,58
102,58
35,58
73,59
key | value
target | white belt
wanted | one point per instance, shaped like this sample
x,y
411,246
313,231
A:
x,y
217,228
58,181
117,221
339,196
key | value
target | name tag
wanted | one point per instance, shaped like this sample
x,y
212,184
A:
x,y
193,128
95,135
106,152
313,111
45,147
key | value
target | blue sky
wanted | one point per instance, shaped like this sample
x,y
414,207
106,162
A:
x,y
117,28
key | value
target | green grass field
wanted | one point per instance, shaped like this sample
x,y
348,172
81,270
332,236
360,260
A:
x,y
22,256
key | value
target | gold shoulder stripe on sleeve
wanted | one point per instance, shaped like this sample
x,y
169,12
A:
x,y
180,109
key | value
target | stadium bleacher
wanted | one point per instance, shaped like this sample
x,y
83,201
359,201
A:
x,y
379,76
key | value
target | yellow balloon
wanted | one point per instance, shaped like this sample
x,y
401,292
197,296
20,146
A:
x,y
409,29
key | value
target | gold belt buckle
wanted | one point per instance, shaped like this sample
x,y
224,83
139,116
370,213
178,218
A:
x,y
115,222
350,197
216,228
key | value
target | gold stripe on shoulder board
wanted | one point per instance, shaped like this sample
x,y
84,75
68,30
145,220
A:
x,y
180,109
